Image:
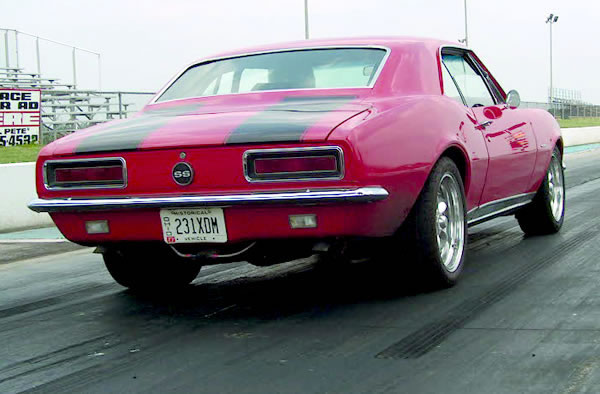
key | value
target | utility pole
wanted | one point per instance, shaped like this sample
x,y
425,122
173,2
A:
x,y
551,20
466,30
6,51
466,39
306,19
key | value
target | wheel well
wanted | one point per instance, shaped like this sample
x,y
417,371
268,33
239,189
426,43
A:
x,y
560,145
458,157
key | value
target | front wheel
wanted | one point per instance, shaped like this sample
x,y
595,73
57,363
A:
x,y
149,269
435,232
546,213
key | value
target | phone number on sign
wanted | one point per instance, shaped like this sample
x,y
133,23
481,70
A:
x,y
19,139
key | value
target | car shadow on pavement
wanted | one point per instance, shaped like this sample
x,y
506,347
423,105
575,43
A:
x,y
272,293
307,286
241,291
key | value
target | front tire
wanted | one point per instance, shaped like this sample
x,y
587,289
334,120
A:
x,y
546,213
435,232
149,269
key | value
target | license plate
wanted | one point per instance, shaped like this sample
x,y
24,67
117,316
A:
x,y
192,225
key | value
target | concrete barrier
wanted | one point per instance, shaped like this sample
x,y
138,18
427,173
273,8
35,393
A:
x,y
18,185
581,136
18,188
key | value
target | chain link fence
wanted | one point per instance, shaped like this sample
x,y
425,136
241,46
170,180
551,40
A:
x,y
566,110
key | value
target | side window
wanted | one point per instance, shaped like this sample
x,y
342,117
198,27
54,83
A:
x,y
494,88
450,89
469,81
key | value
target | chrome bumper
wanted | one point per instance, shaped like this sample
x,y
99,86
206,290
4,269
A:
x,y
307,197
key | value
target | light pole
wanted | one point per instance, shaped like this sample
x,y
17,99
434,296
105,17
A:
x,y
466,31
466,39
551,20
306,19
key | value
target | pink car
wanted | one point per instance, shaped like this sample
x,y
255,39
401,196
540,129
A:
x,y
333,147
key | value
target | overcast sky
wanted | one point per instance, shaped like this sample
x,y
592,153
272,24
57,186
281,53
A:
x,y
143,43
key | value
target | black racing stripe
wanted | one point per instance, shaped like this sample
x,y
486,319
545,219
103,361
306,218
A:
x,y
129,134
286,120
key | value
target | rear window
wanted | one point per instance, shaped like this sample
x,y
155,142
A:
x,y
298,69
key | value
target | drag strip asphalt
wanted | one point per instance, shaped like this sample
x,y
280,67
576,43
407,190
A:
x,y
525,318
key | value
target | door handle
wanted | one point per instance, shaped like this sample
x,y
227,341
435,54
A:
x,y
483,125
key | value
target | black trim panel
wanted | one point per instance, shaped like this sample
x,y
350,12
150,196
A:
x,y
502,207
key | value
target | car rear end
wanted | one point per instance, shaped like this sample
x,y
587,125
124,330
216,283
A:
x,y
241,193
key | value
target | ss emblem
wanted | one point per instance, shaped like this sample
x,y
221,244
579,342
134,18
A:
x,y
183,174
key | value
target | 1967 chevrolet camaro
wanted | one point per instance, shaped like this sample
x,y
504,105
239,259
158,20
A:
x,y
332,147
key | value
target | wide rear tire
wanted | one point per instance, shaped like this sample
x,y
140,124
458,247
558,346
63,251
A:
x,y
434,235
546,213
150,269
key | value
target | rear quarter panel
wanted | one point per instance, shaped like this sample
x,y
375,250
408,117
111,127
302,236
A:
x,y
397,142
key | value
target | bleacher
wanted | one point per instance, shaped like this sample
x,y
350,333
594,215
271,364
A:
x,y
64,108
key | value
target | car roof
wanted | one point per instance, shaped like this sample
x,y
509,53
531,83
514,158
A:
x,y
422,77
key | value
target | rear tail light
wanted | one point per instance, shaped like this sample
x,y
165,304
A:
x,y
85,173
286,165
88,174
294,164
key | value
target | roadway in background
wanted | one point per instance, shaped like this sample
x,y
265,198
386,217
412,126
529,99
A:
x,y
524,318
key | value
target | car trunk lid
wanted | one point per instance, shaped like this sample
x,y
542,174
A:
x,y
222,120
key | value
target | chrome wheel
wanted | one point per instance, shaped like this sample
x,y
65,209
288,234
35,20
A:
x,y
450,222
556,188
546,213
435,232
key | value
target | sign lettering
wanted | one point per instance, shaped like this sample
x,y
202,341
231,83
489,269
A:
x,y
20,116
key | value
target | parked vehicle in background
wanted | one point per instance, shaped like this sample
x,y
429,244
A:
x,y
279,152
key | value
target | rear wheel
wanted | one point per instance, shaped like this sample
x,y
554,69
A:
x,y
546,213
435,232
150,269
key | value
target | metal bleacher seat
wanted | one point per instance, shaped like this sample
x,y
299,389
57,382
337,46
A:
x,y
64,108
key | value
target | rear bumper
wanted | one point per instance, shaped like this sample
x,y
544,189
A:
x,y
304,197
360,212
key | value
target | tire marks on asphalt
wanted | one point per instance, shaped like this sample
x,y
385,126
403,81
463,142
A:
x,y
429,336
55,358
57,300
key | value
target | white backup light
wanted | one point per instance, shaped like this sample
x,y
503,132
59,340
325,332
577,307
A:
x,y
97,227
303,221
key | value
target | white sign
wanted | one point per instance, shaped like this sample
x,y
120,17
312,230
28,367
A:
x,y
19,116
